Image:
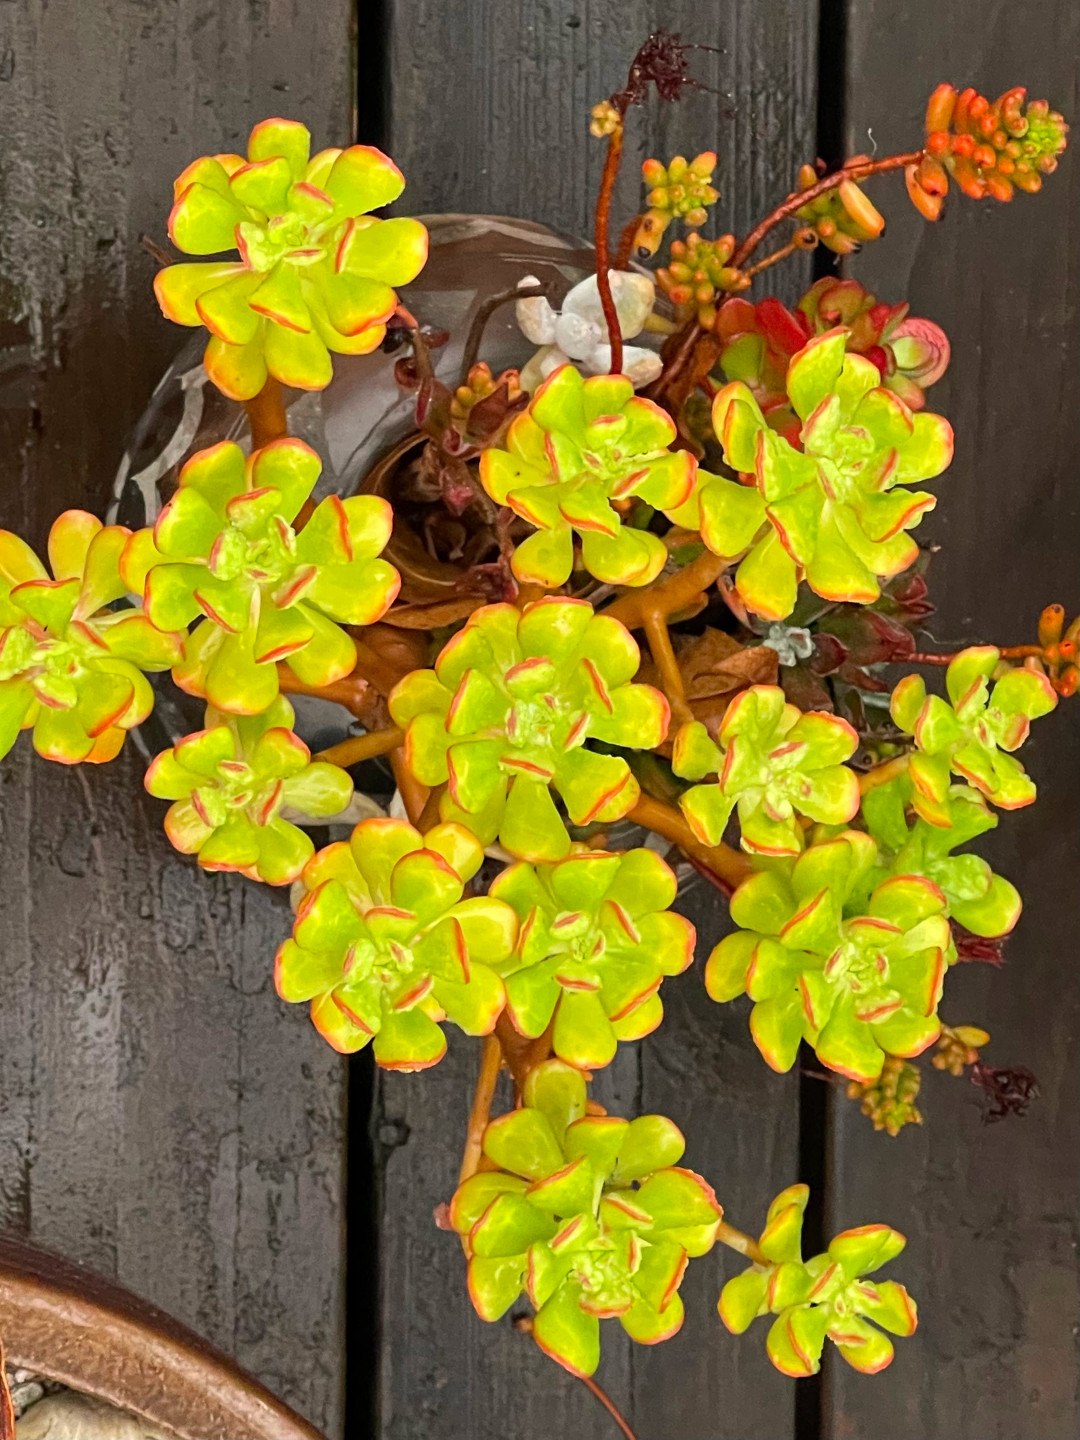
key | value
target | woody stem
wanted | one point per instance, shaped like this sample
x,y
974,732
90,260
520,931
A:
x,y
491,1062
728,865
266,415
1007,652
660,647
362,747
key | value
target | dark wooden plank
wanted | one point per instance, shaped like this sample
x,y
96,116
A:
x,y
161,1118
990,1212
504,129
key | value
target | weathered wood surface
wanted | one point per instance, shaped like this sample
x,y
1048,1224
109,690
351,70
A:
x,y
504,129
162,1119
990,1212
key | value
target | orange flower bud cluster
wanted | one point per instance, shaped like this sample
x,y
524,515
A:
x,y
889,1101
479,385
988,149
1061,649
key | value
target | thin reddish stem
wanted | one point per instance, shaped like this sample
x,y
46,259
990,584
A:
x,y
851,170
7,1410
603,258
608,1404
1007,652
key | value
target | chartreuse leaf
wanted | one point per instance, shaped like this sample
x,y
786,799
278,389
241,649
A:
x,y
835,951
830,513
229,784
586,1213
71,665
773,764
974,734
827,1297
384,946
224,547
581,445
592,951
315,270
505,719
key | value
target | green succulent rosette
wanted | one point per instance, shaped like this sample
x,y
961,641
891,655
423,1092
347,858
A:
x,y
596,939
505,715
582,448
984,903
858,978
229,785
315,272
385,948
827,1297
836,512
973,732
225,548
591,1216
774,763
71,665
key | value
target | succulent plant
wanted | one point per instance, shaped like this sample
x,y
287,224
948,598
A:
x,y
984,903
70,663
973,733
582,450
225,547
315,272
758,342
827,1296
577,331
590,1215
596,940
384,947
229,784
774,763
843,218
507,713
835,511
857,977
988,149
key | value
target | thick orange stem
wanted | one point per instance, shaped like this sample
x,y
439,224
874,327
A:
x,y
729,866
266,415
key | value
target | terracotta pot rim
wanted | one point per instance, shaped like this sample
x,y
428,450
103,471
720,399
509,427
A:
x,y
68,1324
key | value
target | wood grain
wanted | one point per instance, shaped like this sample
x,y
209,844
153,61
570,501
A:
x,y
162,1119
506,130
990,1211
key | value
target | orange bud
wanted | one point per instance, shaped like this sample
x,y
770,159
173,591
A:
x,y
983,156
1051,624
963,104
807,176
1027,180
939,109
938,142
998,188
928,206
932,176
968,179
963,145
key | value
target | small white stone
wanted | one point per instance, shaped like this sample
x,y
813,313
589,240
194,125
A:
x,y
535,317
577,335
70,1416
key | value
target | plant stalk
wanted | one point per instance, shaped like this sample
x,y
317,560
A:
x,y
850,170
266,415
729,866
744,1244
362,747
491,1062
603,257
